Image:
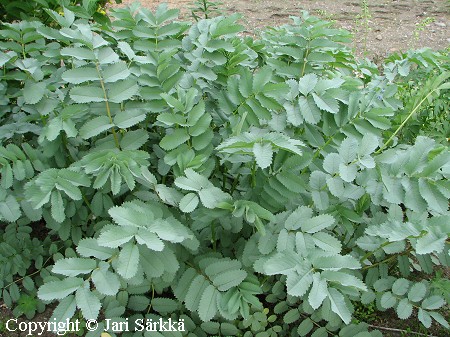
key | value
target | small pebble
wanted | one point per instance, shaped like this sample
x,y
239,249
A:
x,y
440,24
379,37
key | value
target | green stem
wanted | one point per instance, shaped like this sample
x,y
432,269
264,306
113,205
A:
x,y
253,174
213,236
404,122
317,153
305,60
108,109
387,260
34,273
369,254
153,296
235,183
86,201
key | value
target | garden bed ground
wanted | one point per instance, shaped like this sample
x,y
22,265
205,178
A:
x,y
393,25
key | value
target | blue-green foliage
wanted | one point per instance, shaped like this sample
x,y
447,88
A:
x,y
250,187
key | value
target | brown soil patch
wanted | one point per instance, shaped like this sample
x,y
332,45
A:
x,y
392,25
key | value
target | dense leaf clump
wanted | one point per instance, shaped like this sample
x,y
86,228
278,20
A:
x,y
154,168
44,10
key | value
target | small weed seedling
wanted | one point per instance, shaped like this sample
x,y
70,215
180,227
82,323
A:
x,y
363,24
204,9
420,27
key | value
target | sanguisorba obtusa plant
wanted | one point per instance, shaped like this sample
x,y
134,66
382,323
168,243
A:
x,y
249,187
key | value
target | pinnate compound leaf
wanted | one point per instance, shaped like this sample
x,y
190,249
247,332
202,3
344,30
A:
x,y
174,139
211,197
129,117
344,279
115,236
56,290
122,90
336,186
317,223
336,262
164,305
320,332
300,215
281,264
207,308
128,261
368,144
400,286
95,126
229,279
327,242
133,140
435,199
305,327
193,181
80,75
318,291
195,292
126,49
87,94
106,55
88,303
417,292
4,58
388,300
332,163
106,282
74,266
10,209
128,216
299,283
327,103
79,53
189,203
115,71
138,302
338,305
151,240
181,289
64,310
33,92
89,247
348,150
170,229
424,317
348,172
57,208
307,83
309,110
368,297
404,309
430,243
263,154
433,302
440,319
291,316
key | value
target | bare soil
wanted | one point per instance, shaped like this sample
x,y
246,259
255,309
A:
x,y
393,25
